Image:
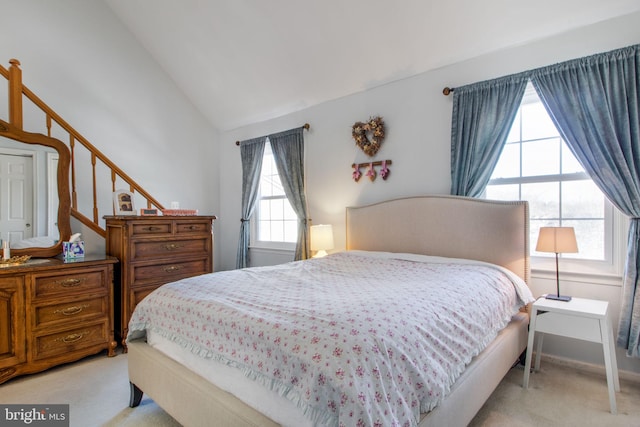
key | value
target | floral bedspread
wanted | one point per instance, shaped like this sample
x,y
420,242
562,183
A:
x,y
353,339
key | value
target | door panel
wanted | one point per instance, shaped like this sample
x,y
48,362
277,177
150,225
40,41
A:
x,y
16,197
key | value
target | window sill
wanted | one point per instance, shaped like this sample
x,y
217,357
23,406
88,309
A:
x,y
267,249
604,279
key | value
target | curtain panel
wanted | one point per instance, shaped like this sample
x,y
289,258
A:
x,y
288,152
482,117
594,103
251,153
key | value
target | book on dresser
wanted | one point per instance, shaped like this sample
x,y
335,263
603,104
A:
x,y
154,250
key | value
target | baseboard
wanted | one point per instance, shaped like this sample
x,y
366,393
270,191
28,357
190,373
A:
x,y
590,367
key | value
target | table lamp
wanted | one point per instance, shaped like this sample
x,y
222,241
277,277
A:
x,y
321,239
557,240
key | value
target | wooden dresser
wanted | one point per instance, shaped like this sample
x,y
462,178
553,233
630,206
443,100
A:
x,y
154,250
54,312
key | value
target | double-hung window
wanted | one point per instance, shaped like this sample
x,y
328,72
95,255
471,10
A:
x,y
537,165
274,223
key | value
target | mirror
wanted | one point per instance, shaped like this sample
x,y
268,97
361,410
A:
x,y
35,205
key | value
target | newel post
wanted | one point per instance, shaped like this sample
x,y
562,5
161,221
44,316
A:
x,y
15,93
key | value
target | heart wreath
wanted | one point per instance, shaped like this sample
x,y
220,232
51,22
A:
x,y
369,135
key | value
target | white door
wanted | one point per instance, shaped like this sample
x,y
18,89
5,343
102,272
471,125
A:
x,y
16,197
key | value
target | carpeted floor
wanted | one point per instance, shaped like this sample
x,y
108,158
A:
x,y
97,389
559,395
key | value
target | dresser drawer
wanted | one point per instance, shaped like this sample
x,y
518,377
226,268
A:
x,y
149,229
73,311
144,274
70,340
169,248
80,281
137,294
190,227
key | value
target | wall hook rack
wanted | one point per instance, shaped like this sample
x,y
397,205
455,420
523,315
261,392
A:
x,y
371,172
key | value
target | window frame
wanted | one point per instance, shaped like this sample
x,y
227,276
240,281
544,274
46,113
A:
x,y
254,241
615,223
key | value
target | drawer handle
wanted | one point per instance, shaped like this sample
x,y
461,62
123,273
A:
x,y
71,338
193,227
172,246
70,311
152,228
70,283
172,268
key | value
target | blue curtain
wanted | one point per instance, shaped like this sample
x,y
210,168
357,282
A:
x,y
251,153
288,153
594,103
482,117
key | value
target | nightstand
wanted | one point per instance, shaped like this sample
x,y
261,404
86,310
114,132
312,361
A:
x,y
580,318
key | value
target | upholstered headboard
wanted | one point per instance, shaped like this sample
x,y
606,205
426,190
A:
x,y
450,226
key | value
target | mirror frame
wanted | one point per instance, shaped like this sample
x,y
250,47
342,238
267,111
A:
x,y
64,198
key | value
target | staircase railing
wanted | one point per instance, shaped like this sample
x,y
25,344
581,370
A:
x,y
76,143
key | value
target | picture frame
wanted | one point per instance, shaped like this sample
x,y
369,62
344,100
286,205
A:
x,y
123,203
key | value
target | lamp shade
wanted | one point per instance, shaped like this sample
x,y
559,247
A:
x,y
321,237
557,239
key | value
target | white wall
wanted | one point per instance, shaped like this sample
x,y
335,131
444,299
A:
x,y
81,61
418,120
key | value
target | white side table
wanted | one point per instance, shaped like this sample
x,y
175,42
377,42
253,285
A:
x,y
584,319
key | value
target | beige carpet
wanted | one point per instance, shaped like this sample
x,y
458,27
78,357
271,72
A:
x,y
559,395
97,389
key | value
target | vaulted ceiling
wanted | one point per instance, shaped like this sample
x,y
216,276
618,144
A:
x,y
245,61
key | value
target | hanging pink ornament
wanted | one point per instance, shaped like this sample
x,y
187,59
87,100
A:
x,y
371,172
356,173
384,171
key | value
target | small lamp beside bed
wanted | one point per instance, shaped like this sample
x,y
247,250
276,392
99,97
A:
x,y
321,239
557,240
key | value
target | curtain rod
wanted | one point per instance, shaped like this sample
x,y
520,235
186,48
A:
x,y
306,126
447,90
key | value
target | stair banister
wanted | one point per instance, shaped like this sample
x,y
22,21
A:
x,y
16,91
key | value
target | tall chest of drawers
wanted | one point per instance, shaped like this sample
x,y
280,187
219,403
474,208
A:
x,y
154,250
52,312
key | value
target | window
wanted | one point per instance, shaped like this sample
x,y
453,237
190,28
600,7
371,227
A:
x,y
274,223
537,165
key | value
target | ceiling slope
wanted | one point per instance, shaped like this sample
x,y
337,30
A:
x,y
245,61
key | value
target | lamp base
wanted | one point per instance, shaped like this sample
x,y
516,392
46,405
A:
x,y
564,298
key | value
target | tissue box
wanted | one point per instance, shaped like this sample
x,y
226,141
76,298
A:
x,y
73,250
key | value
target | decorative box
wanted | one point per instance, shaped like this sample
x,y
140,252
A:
x,y
73,250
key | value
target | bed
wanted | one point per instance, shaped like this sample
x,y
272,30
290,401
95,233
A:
x,y
191,379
